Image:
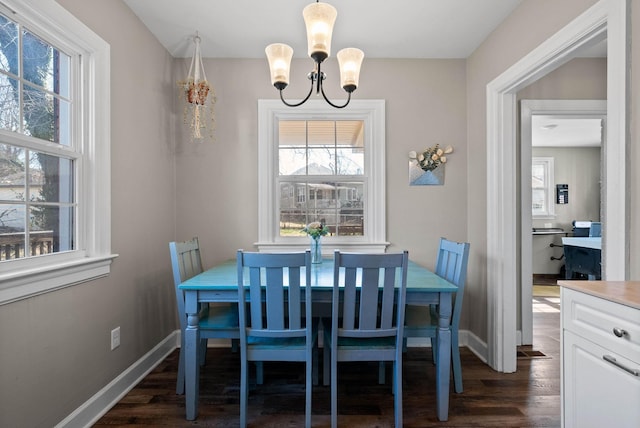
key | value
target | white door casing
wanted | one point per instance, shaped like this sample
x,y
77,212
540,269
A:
x,y
607,18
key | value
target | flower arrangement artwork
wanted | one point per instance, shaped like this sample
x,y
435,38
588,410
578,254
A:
x,y
198,97
316,230
427,167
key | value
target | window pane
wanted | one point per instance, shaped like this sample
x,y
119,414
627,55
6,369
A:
x,y
12,227
539,204
52,229
337,205
292,161
350,161
538,178
12,173
45,66
50,178
9,104
292,133
43,114
12,218
8,45
322,161
321,133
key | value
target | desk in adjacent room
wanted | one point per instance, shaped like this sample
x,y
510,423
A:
x,y
583,255
219,284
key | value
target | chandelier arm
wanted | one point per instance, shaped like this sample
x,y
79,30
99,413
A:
x,y
332,104
301,102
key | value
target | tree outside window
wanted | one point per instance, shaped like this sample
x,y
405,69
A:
x,y
37,201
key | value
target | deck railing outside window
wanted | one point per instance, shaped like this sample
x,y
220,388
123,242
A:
x,y
12,245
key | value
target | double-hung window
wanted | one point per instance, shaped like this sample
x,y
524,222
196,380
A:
x,y
542,204
319,164
54,150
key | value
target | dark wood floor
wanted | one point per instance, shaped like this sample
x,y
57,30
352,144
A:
x,y
528,398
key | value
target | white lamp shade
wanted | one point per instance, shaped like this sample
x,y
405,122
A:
x,y
350,61
319,19
279,56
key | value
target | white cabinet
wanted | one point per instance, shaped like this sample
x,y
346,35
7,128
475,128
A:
x,y
600,362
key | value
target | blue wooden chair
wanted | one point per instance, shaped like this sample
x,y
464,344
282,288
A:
x,y
367,323
422,321
220,321
277,329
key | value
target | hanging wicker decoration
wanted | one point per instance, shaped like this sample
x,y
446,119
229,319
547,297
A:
x,y
198,97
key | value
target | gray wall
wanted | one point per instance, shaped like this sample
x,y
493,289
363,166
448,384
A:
x,y
218,182
55,348
54,352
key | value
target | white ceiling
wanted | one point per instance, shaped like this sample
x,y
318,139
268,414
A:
x,y
381,28
558,131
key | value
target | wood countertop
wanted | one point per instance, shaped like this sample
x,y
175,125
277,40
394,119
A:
x,y
623,292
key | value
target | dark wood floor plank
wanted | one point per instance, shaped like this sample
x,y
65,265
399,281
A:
x,y
530,397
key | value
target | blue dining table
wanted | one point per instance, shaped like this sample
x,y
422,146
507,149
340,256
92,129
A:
x,y
219,284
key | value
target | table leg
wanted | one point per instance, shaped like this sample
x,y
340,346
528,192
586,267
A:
x,y
192,366
443,368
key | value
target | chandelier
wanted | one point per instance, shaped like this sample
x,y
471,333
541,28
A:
x,y
319,19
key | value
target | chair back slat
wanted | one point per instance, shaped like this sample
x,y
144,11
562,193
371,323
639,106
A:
x,y
274,296
451,264
294,295
350,303
369,291
386,315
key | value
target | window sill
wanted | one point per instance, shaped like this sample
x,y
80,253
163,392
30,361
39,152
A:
x,y
327,247
32,282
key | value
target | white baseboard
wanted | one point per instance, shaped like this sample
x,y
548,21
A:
x,y
475,344
465,337
94,408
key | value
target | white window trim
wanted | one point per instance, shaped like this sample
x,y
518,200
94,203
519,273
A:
x,y
24,278
550,211
372,112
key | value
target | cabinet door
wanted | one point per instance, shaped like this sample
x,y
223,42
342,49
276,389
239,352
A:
x,y
597,393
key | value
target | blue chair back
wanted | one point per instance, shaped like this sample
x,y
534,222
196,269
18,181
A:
x,y
451,264
371,294
275,280
186,262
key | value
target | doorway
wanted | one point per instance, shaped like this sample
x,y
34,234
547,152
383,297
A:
x,y
605,20
585,130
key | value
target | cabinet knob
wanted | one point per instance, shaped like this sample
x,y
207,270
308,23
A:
x,y
619,332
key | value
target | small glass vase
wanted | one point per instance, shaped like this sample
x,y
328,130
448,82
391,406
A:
x,y
316,250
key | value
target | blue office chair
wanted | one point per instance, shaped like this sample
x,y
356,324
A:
x,y
367,325
422,321
219,321
277,329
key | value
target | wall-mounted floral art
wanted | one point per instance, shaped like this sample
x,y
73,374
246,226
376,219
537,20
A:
x,y
427,167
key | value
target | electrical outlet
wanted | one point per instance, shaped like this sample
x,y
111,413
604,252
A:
x,y
115,338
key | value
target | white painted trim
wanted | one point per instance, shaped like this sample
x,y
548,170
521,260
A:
x,y
372,112
92,140
528,108
94,408
466,338
32,282
606,18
